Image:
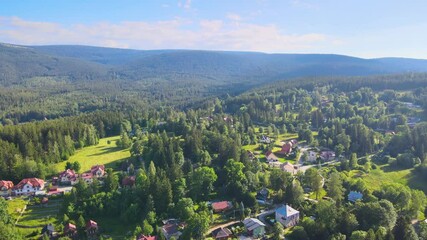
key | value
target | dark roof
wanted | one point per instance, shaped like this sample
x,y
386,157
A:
x,y
48,228
222,233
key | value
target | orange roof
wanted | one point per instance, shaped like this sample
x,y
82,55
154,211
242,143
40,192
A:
x,y
6,184
35,182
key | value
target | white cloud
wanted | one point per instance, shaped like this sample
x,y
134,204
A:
x,y
185,4
234,17
176,33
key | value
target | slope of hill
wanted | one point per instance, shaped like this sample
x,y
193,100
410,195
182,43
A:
x,y
233,65
85,62
18,63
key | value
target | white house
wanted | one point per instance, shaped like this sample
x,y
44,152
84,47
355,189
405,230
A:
x,y
28,186
287,216
68,177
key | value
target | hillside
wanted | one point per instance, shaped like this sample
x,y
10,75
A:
x,y
18,63
234,66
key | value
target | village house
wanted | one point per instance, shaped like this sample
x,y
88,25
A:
x,y
222,233
70,230
28,186
263,194
221,206
6,188
143,237
68,177
98,170
254,227
48,230
271,157
289,167
171,229
288,147
87,177
287,216
91,228
128,181
327,156
251,155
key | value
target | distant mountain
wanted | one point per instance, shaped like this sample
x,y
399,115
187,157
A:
x,y
85,62
19,62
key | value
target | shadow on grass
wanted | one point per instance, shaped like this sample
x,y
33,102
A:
x,y
392,168
116,165
106,150
417,182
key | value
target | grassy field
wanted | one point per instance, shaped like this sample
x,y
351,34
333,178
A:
x,y
33,216
386,174
15,206
103,153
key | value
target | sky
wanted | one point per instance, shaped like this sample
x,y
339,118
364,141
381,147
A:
x,y
362,28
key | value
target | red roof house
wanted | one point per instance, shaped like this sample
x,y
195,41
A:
x,y
286,148
128,181
143,237
221,206
28,186
98,170
91,227
70,230
5,188
68,177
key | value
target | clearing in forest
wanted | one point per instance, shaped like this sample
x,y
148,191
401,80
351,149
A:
x,y
105,152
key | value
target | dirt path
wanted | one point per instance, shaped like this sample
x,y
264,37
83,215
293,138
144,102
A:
x,y
221,226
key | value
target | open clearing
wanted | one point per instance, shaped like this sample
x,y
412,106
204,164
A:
x,y
103,153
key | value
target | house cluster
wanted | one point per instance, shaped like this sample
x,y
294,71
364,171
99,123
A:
x,y
36,186
27,186
256,229
70,177
314,154
91,229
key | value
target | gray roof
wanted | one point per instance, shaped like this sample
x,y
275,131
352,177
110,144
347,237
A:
x,y
252,223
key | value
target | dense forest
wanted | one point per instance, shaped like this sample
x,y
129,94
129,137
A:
x,y
196,140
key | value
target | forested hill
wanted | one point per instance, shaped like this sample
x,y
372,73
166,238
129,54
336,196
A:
x,y
85,62
18,63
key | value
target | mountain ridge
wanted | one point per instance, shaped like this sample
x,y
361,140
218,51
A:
x,y
79,62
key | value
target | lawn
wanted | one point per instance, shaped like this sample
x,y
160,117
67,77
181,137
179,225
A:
x,y
386,174
34,216
114,227
15,207
102,153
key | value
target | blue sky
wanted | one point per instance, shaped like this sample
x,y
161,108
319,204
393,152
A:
x,y
363,28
